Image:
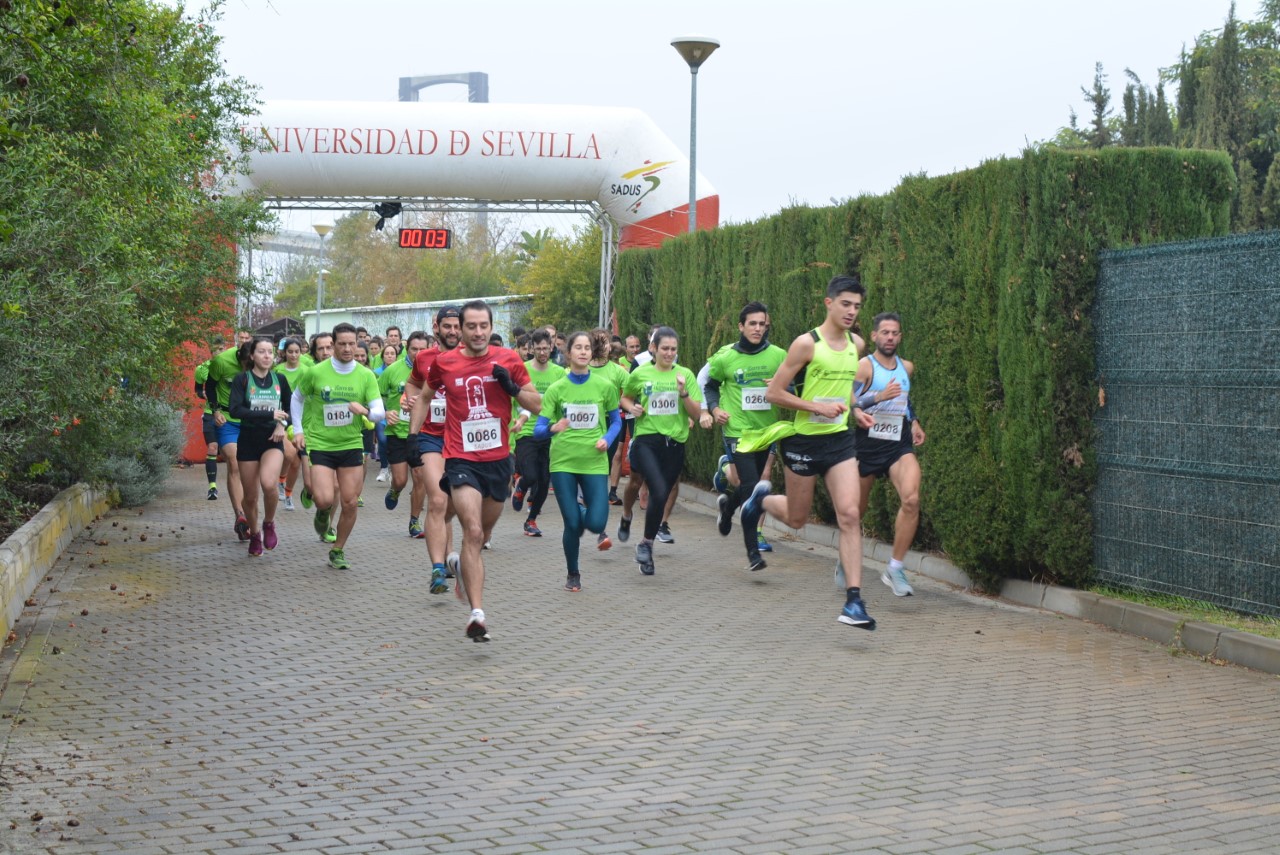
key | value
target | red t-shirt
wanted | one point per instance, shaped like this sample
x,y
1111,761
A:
x,y
478,410
433,424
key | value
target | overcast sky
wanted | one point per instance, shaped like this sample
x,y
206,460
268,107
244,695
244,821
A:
x,y
805,101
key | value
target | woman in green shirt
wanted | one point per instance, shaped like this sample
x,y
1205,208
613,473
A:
x,y
291,369
665,398
580,413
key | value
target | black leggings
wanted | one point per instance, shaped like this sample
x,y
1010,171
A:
x,y
533,465
750,466
659,460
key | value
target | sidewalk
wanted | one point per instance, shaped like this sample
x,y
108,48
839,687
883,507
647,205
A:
x,y
210,702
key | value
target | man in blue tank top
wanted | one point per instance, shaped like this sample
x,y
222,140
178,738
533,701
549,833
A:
x,y
887,447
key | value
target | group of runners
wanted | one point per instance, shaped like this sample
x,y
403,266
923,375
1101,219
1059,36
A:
x,y
472,425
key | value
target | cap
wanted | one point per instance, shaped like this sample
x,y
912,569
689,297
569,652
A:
x,y
448,312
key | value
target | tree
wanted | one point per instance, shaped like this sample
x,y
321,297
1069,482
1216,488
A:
x,y
113,236
1100,97
1221,121
564,280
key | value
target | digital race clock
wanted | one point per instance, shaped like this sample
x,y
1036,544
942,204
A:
x,y
426,238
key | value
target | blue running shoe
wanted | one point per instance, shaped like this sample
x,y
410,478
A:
x,y
438,583
761,544
415,527
754,506
724,516
391,499
854,613
720,480
644,557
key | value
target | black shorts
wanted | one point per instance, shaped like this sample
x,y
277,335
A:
x,y
877,456
492,477
403,451
209,428
815,454
255,443
350,459
430,444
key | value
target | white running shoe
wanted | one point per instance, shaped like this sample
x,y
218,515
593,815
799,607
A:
x,y
382,476
896,579
288,503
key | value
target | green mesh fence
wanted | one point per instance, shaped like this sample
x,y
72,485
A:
x,y
1188,355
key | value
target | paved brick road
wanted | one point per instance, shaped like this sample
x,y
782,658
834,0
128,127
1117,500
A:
x,y
213,703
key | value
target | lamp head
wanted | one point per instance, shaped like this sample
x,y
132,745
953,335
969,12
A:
x,y
695,49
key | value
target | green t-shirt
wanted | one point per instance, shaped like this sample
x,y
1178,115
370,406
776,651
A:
x,y
293,375
326,421
613,372
542,381
658,393
201,375
743,378
587,406
391,384
306,361
222,369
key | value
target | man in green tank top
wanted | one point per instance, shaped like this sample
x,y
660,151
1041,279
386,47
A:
x,y
822,365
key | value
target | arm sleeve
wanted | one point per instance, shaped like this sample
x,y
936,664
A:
x,y
211,394
295,410
712,391
286,396
377,412
615,427
543,429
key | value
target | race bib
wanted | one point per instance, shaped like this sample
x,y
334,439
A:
x,y
582,416
753,399
437,411
264,399
405,416
338,415
815,419
663,404
886,427
481,435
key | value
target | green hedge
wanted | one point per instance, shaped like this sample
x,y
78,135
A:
x,y
993,271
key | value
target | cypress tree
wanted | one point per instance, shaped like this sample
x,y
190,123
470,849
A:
x,y
1247,202
1269,206
1100,98
1221,117
1161,121
1129,132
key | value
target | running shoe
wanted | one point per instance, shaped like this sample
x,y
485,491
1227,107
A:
x,y
754,505
213,493
531,528
255,545
321,521
331,535
391,499
854,613
242,528
476,630
603,542
269,538
288,503
488,544
360,501
338,561
451,565
613,496
724,517
415,527
517,495
761,544
644,557
382,476
573,584
439,585
624,529
280,490
664,534
307,499
896,579
720,479
755,562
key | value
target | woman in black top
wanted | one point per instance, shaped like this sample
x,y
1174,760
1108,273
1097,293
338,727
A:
x,y
260,400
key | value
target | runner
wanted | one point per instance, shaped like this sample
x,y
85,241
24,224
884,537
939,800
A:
x,y
888,447
209,429
479,383
222,368
533,455
737,380
329,407
290,369
320,350
663,396
575,409
402,452
822,363
260,401
427,420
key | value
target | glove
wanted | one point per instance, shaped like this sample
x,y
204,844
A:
x,y
503,376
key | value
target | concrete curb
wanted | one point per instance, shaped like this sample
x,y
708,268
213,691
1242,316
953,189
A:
x,y
1166,628
31,551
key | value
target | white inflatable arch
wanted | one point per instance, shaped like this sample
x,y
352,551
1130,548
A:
x,y
615,157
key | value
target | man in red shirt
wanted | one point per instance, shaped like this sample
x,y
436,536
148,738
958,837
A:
x,y
428,426
478,381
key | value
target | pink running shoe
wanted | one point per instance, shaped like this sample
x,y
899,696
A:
x,y
269,539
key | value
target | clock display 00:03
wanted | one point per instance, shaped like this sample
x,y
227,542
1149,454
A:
x,y
426,238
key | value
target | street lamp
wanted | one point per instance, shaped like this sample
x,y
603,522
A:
x,y
322,229
695,50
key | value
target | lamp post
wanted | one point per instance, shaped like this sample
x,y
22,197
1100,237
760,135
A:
x,y
694,50
323,230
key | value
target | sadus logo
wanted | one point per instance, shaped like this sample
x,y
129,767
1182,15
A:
x,y
639,183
